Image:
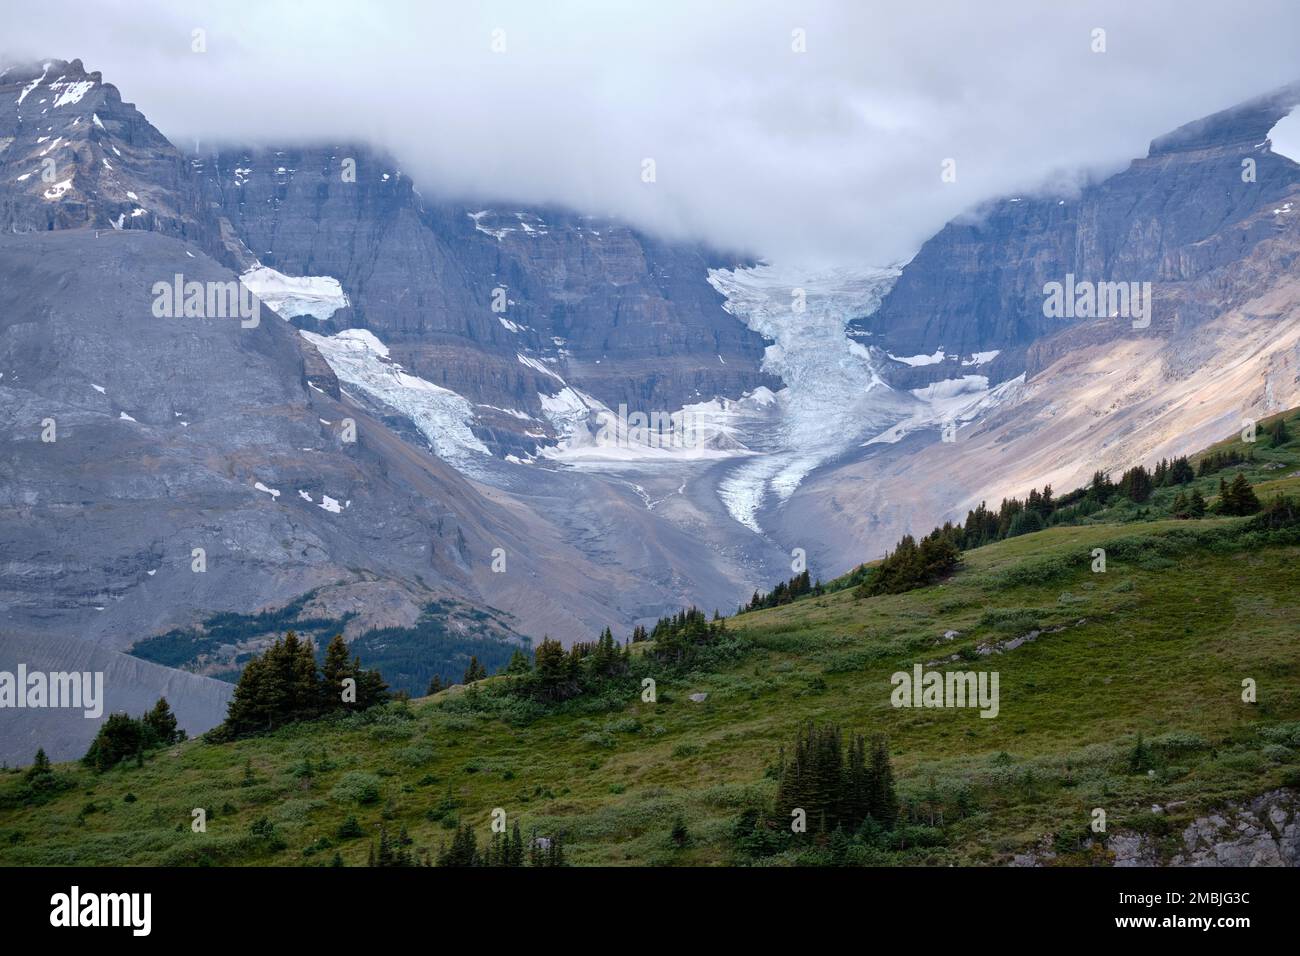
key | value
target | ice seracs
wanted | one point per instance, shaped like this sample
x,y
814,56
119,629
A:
x,y
361,361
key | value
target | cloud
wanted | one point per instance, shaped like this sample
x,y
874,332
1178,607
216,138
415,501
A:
x,y
829,155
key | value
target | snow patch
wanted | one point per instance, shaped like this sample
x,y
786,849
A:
x,y
71,92
32,85
57,190
289,296
918,360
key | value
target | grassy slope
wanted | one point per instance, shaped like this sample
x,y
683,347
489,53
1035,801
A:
x,y
1158,644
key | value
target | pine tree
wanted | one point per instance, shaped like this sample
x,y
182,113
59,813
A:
x,y
519,663
474,672
1196,504
335,668
161,723
463,850
435,685
40,770
1244,501
883,803
515,853
552,678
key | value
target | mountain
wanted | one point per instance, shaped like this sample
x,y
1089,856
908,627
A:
x,y
1179,216
227,435
584,301
490,359
1119,689
73,154
1059,398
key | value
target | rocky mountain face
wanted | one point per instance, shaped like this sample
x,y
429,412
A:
x,y
1174,217
160,471
72,154
1222,346
461,339
459,293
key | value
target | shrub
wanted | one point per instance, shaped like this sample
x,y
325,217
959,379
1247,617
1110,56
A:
x,y
357,787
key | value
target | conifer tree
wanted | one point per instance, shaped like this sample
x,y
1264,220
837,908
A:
x,y
1244,500
161,723
40,769
1196,504
335,668
883,802
474,672
519,663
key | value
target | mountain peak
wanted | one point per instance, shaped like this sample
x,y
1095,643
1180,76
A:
x,y
1246,124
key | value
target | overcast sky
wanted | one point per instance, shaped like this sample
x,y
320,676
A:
x,y
830,155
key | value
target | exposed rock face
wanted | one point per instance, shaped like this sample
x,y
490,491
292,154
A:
x,y
1264,831
618,314
1174,217
1223,344
176,434
72,153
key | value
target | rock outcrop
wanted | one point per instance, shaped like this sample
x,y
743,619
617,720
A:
x,y
1178,215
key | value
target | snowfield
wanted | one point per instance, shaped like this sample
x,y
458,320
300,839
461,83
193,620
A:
x,y
289,296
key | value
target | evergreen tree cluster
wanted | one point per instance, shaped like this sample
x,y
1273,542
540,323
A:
x,y
1237,498
785,592
475,671
845,790
501,850
558,675
122,737
680,637
1219,460
283,685
1189,505
606,668
393,851
40,783
837,786
912,565
1281,512
1172,472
